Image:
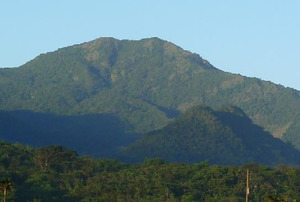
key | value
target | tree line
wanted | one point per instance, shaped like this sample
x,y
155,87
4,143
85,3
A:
x,y
55,173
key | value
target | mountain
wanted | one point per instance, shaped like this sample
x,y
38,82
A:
x,y
145,84
223,137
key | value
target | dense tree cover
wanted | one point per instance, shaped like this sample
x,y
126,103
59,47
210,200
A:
x,y
54,173
98,135
226,136
145,84
293,133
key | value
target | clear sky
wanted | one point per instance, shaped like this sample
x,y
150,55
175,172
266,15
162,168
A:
x,y
257,38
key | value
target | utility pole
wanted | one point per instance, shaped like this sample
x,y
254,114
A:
x,y
247,186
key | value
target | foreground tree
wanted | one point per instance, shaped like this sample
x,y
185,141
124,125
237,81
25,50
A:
x,y
4,186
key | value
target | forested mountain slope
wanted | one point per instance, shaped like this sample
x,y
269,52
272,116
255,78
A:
x,y
143,83
223,137
97,135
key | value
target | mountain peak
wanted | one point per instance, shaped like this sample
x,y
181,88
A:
x,y
99,42
153,46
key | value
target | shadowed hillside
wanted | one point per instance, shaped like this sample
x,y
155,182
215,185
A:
x,y
98,135
223,137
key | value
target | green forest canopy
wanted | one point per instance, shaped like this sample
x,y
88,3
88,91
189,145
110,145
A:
x,y
54,173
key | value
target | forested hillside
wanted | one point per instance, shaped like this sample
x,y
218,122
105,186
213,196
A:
x,y
97,135
223,137
144,84
57,174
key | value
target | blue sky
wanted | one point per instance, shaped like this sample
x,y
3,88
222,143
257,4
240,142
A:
x,y
254,38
